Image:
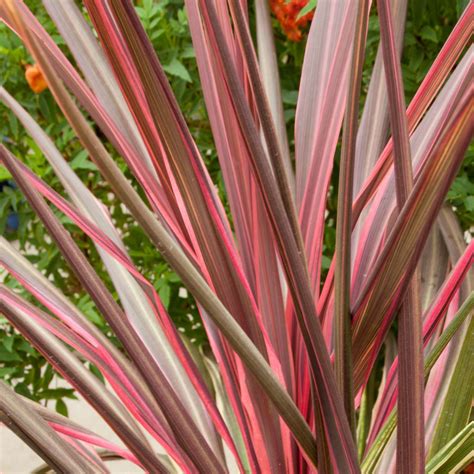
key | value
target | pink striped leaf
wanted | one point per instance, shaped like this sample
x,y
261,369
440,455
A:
x,y
319,114
64,425
70,367
422,206
145,316
249,354
29,426
432,318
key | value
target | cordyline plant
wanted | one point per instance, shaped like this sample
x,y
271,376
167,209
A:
x,y
292,384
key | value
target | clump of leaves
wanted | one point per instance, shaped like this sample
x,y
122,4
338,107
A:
x,y
290,380
167,26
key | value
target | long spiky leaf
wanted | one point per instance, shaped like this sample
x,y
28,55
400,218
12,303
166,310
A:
x,y
293,262
342,276
72,369
373,455
236,337
411,228
177,416
410,433
19,417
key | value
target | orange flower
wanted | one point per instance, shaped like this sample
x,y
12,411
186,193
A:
x,y
35,78
286,12
468,469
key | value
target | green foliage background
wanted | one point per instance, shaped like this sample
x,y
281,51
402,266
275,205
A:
x,y
428,25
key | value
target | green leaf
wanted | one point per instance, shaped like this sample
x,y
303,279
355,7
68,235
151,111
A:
x,y
6,356
8,342
188,52
418,8
165,294
455,412
46,108
461,6
96,372
176,68
289,97
325,262
4,371
81,162
13,122
416,58
456,455
4,173
141,12
310,6
57,393
147,4
23,389
61,407
461,187
429,34
47,377
469,203
173,278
